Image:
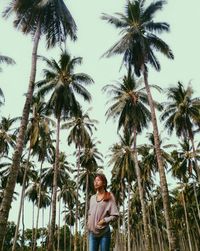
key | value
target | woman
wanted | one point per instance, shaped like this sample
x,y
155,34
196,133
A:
x,y
102,210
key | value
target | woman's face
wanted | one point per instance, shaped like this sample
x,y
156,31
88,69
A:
x,y
98,183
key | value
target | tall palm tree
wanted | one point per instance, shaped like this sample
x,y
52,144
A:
x,y
130,105
81,128
182,113
138,43
122,160
53,20
68,196
41,143
63,84
90,158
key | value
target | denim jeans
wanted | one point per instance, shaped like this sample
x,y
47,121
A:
x,y
103,242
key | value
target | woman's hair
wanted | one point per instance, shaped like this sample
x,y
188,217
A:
x,y
102,177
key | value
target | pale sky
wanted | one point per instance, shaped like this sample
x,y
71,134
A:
x,y
95,36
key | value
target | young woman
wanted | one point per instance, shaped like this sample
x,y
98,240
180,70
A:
x,y
102,210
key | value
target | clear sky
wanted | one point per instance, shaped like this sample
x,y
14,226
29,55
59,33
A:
x,y
95,36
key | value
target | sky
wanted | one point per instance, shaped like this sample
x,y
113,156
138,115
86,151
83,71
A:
x,y
95,36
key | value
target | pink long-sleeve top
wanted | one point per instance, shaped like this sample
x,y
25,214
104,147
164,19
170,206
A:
x,y
99,210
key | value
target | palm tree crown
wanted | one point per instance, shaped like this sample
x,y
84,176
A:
x,y
182,111
53,16
138,30
60,78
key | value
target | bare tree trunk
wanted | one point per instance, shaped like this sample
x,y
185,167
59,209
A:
x,y
54,197
172,239
33,220
195,159
38,210
70,240
124,221
42,228
58,242
21,202
129,210
23,227
65,230
85,242
77,210
11,182
187,224
196,199
157,227
141,195
197,224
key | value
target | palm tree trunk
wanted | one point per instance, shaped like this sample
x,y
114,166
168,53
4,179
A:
x,y
196,221
70,232
58,238
33,222
77,198
187,224
65,230
10,186
157,227
195,159
85,242
42,228
38,210
172,239
23,227
129,211
54,197
141,195
124,220
196,199
21,202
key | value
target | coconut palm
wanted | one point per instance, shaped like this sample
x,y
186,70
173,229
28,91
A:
x,y
81,128
7,135
138,42
48,178
68,196
90,159
183,161
130,105
53,20
63,83
122,160
41,142
182,113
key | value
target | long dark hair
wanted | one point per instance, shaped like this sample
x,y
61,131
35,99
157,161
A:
x,y
103,178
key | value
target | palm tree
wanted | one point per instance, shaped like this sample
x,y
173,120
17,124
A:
x,y
89,159
122,160
41,142
69,196
129,104
138,43
7,135
7,60
63,84
49,18
182,113
81,127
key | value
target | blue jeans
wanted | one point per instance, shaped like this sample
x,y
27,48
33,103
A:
x,y
103,242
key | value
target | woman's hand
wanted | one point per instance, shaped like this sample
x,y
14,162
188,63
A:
x,y
101,222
